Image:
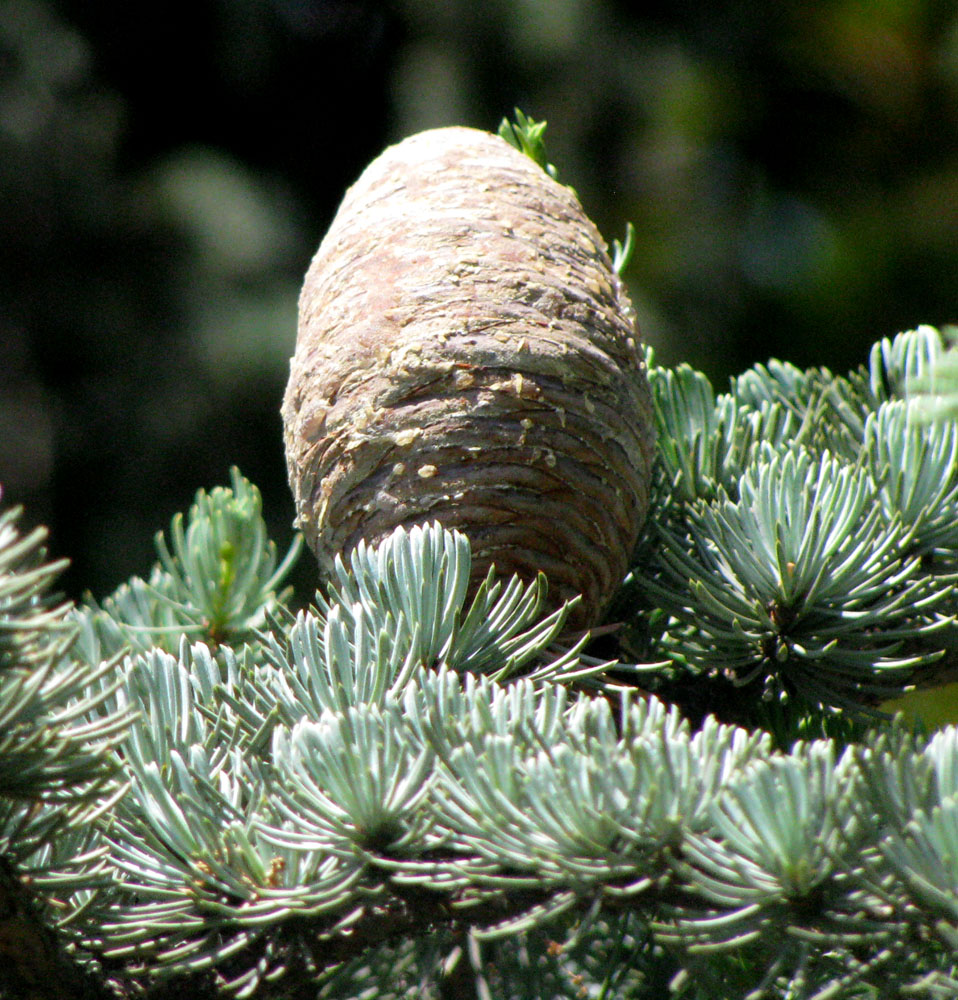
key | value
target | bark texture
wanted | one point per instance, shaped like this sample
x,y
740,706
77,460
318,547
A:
x,y
467,354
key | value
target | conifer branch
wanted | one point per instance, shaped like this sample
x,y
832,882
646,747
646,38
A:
x,y
204,794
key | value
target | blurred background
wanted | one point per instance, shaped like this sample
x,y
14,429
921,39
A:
x,y
167,171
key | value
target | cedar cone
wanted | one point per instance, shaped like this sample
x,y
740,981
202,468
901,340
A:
x,y
467,354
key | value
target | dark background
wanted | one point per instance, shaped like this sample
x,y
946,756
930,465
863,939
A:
x,y
167,170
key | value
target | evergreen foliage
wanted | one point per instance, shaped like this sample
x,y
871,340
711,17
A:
x,y
399,791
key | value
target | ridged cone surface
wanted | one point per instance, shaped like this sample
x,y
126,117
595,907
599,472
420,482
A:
x,y
467,354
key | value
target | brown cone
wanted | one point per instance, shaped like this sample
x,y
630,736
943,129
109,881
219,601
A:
x,y
467,354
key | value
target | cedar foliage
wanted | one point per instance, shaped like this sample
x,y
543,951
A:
x,y
402,790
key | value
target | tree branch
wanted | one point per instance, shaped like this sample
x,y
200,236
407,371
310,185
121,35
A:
x,y
34,965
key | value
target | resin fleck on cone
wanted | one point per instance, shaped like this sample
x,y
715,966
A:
x,y
467,354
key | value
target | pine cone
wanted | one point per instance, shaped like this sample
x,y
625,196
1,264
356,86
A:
x,y
467,354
